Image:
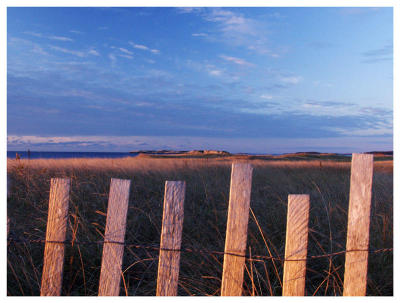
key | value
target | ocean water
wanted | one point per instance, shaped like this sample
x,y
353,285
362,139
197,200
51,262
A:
x,y
61,155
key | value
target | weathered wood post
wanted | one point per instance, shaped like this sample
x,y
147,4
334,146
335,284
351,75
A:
x,y
171,238
114,237
55,236
355,274
236,229
294,272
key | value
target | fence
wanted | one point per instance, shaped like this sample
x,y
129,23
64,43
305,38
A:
x,y
356,254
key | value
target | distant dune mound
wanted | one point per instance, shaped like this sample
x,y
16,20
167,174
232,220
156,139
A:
x,y
311,155
381,153
208,152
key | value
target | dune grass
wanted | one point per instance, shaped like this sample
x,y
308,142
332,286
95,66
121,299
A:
x,y
206,203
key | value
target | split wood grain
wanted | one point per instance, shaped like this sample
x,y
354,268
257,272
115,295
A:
x,y
56,229
236,229
294,272
110,274
356,265
171,238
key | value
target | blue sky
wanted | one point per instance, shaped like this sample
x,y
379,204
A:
x,y
259,80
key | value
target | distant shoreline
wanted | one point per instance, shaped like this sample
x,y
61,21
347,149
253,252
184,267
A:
x,y
379,155
66,155
222,152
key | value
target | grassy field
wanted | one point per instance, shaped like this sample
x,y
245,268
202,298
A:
x,y
206,203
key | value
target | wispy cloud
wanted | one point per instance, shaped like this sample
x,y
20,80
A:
x,y
186,10
376,111
51,37
267,97
291,79
39,50
371,116
139,46
378,129
93,52
126,56
68,51
200,35
124,50
112,58
59,38
230,21
34,34
233,25
215,72
78,53
211,69
332,108
280,78
236,60
31,46
322,83
378,55
227,75
143,47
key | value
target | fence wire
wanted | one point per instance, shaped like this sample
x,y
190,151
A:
x,y
253,258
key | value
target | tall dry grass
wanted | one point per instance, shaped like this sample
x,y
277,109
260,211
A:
x,y
206,203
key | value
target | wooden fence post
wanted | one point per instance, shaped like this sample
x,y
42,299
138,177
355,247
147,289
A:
x,y
236,229
294,272
110,274
171,237
356,266
55,232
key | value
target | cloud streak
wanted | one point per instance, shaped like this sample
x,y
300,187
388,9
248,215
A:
x,y
124,50
93,52
236,60
126,56
144,47
378,55
68,51
59,38
51,37
200,35
113,58
291,79
76,53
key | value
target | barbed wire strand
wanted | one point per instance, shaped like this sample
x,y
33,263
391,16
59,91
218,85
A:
x,y
253,258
